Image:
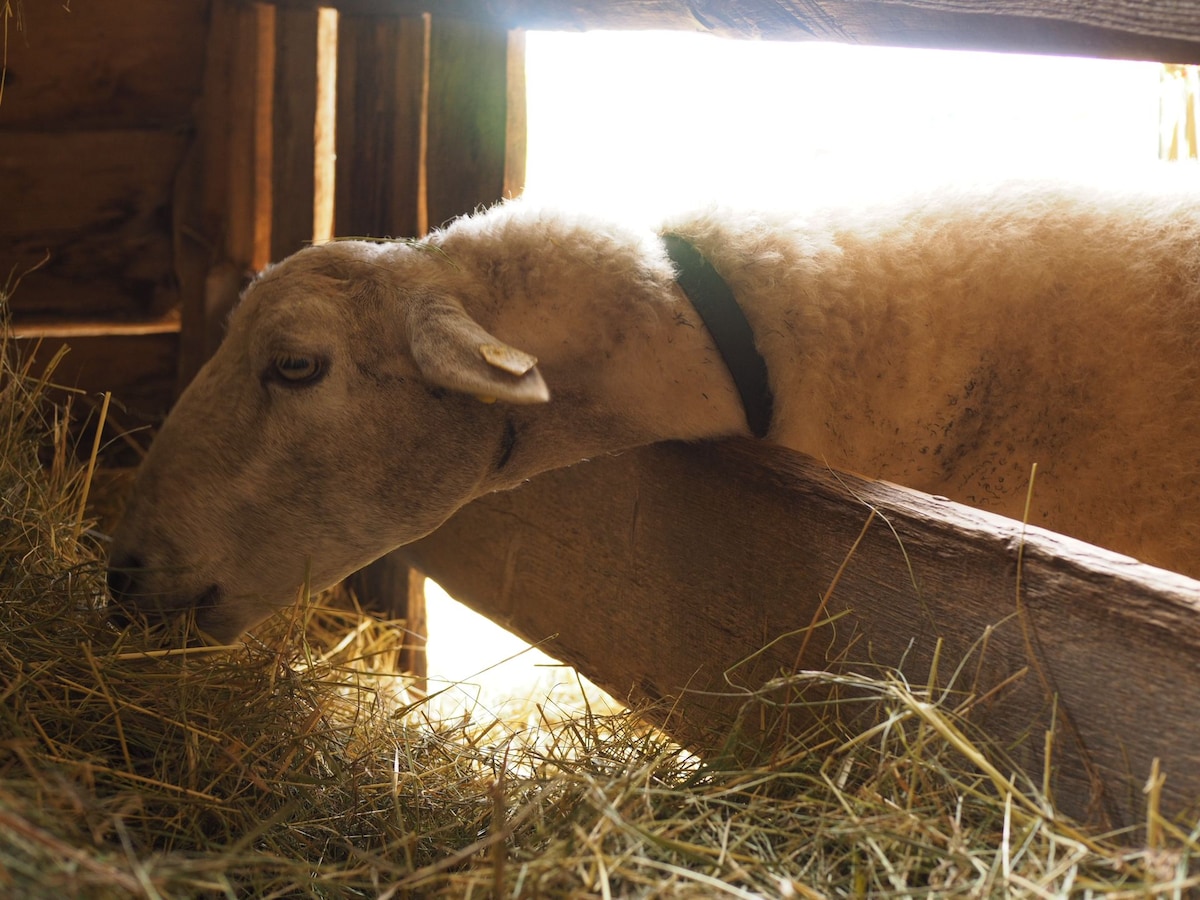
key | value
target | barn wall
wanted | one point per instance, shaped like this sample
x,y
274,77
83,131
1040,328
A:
x,y
95,118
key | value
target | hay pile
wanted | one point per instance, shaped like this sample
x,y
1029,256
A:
x,y
298,766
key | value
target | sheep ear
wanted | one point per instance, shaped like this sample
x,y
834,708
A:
x,y
453,351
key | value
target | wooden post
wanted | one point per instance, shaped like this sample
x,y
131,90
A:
x,y
476,117
381,91
430,125
294,116
219,205
1156,30
382,72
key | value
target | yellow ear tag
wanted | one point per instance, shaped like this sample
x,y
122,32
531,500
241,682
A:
x,y
484,399
507,359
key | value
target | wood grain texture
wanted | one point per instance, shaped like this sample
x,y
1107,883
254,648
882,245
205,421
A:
x,y
468,117
93,127
1163,18
1166,30
94,206
664,573
380,126
424,126
293,165
217,208
103,65
380,135
382,117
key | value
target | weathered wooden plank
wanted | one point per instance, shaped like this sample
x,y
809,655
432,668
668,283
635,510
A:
x,y
293,169
325,143
381,126
102,65
121,297
517,116
469,116
665,571
52,181
93,205
218,205
1165,30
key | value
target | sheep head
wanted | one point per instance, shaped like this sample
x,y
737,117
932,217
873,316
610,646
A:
x,y
340,418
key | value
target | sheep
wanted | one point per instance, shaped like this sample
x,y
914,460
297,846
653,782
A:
x,y
365,391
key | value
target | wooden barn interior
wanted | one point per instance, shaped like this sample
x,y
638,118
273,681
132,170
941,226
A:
x,y
154,155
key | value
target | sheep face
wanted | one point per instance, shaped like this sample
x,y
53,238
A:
x,y
337,420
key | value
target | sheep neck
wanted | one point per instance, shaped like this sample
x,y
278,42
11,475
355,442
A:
x,y
622,373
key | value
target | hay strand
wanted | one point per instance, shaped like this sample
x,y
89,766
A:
x,y
299,765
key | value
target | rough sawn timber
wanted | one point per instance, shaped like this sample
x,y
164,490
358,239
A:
x,y
1162,30
663,572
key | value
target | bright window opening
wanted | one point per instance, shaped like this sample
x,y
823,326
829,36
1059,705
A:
x,y
642,123
636,125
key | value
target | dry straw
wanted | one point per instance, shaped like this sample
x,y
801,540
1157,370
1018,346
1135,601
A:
x,y
298,766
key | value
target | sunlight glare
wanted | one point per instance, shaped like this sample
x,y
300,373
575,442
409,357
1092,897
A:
x,y
637,124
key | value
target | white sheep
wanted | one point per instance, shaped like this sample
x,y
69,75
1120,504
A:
x,y
946,345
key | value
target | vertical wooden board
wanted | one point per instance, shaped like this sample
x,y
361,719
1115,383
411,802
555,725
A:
x,y
414,657
217,204
293,168
103,65
264,131
691,574
468,117
324,137
380,126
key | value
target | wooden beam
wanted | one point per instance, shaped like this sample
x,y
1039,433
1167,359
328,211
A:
x,y
516,116
663,574
381,75
1163,30
476,116
218,206
325,131
426,131
382,120
293,133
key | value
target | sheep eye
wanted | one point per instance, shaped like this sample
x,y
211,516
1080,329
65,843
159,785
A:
x,y
297,369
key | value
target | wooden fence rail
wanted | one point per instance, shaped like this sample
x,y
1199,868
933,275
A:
x,y
663,574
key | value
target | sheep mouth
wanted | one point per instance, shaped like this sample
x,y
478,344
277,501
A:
x,y
205,604
208,599
162,618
